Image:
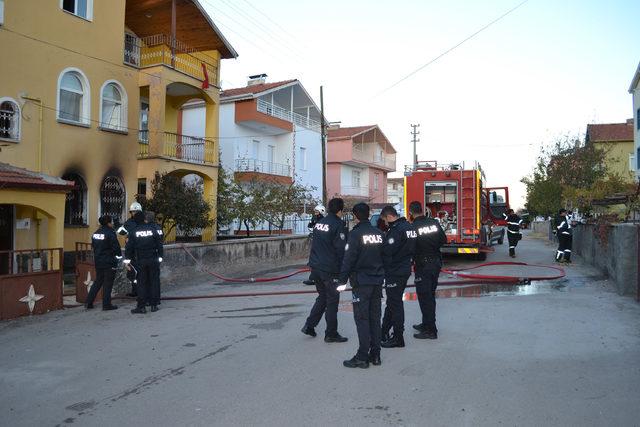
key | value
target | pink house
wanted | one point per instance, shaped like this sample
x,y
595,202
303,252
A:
x,y
358,161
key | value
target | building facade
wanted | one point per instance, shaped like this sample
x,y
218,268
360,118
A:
x,y
358,161
268,131
91,96
634,90
395,191
616,140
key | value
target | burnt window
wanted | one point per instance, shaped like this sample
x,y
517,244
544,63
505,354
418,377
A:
x,y
9,120
142,188
112,198
75,207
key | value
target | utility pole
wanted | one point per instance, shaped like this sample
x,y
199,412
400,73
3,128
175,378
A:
x,y
415,132
323,139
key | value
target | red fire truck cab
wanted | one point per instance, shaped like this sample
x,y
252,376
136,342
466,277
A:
x,y
471,214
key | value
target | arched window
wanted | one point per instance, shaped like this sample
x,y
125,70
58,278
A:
x,y
113,107
73,97
9,119
112,198
75,208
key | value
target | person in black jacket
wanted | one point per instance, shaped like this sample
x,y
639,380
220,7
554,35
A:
x,y
565,237
399,245
428,261
145,244
127,228
513,231
106,254
363,266
154,286
327,250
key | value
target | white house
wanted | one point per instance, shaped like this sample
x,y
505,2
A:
x,y
634,89
267,131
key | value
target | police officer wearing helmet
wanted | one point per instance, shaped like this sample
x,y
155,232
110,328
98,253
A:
x,y
127,228
363,266
325,260
513,231
565,237
145,245
106,254
399,246
318,213
428,261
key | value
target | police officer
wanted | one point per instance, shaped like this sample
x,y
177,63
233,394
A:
x,y
325,260
399,246
318,213
127,228
106,254
154,295
363,266
513,231
428,261
145,244
565,237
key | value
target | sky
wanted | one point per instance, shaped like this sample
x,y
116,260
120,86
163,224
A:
x,y
544,71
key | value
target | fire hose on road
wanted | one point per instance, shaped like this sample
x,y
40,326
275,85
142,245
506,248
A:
x,y
468,278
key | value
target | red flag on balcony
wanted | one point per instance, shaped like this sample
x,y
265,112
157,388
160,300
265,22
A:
x,y
205,82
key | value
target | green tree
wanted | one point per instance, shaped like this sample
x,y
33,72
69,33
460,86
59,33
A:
x,y
281,200
225,199
178,204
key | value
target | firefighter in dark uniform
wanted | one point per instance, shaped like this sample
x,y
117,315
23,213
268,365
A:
x,y
327,250
106,254
363,266
399,246
565,237
127,228
145,244
428,262
513,231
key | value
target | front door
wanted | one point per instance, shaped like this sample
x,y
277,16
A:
x,y
6,236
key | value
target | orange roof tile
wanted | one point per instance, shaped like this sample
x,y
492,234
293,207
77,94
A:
x,y
253,89
610,132
14,177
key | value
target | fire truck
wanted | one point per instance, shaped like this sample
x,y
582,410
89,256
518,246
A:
x,y
471,214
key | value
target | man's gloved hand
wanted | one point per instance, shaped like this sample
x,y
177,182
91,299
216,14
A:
x,y
160,259
126,262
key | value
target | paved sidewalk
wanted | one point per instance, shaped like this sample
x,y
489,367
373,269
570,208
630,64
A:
x,y
559,353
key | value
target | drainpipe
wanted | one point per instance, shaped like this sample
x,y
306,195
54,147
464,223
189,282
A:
x,y
39,102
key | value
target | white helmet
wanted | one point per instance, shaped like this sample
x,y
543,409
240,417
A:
x,y
320,209
135,207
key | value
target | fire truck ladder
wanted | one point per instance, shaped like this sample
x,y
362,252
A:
x,y
468,202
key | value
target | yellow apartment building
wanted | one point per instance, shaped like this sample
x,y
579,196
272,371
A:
x,y
616,139
93,95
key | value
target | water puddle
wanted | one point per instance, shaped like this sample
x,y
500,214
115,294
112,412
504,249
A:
x,y
493,290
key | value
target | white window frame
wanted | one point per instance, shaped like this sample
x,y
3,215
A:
x,y
356,177
303,158
632,162
124,102
18,116
89,16
85,119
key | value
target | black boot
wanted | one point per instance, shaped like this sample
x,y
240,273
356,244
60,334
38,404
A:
x,y
139,310
88,306
154,308
396,341
419,327
109,307
335,338
429,333
355,363
308,331
309,282
374,359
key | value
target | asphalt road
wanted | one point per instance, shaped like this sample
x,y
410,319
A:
x,y
565,352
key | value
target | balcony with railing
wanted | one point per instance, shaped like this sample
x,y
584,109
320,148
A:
x,y
386,161
358,191
250,169
161,49
179,147
287,115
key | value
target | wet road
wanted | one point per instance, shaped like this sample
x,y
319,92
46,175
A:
x,y
564,352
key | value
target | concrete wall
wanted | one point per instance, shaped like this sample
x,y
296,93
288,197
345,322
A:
x,y
618,258
238,258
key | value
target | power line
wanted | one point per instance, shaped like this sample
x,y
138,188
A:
x,y
270,20
451,48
